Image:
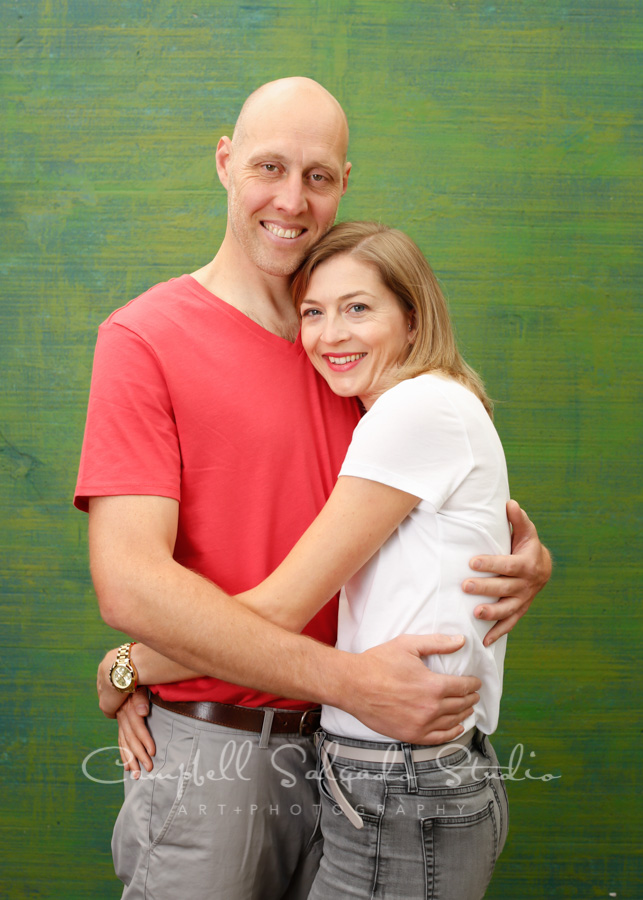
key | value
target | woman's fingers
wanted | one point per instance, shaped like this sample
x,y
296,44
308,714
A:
x,y
134,739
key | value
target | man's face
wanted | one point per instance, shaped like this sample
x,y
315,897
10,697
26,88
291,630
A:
x,y
285,177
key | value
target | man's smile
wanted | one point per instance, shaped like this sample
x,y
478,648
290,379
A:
x,y
278,231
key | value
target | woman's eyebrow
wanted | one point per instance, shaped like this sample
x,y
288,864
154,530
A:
x,y
348,296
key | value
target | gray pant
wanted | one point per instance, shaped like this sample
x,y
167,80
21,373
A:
x,y
219,817
432,830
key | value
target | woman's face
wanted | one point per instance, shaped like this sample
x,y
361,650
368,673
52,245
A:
x,y
353,328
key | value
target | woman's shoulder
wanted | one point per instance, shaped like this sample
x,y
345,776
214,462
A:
x,y
417,406
430,386
428,403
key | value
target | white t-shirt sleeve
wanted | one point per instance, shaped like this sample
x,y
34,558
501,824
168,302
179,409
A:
x,y
414,439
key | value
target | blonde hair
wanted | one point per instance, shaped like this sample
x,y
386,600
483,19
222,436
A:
x,y
404,270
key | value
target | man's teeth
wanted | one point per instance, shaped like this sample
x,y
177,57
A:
x,y
339,360
282,232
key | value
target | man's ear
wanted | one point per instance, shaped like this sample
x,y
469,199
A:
x,y
223,157
347,169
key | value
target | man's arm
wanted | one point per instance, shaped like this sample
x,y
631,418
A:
x,y
522,576
145,593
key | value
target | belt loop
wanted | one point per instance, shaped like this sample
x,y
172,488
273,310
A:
x,y
306,728
409,765
319,739
268,716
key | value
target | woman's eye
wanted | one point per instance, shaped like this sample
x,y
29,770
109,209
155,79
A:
x,y
358,308
310,313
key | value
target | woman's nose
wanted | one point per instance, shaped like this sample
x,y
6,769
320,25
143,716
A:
x,y
334,330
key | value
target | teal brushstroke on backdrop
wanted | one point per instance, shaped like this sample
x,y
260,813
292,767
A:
x,y
506,138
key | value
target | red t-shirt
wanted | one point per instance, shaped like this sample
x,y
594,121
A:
x,y
191,399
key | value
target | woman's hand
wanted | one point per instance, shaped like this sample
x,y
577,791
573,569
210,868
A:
x,y
135,742
109,699
523,575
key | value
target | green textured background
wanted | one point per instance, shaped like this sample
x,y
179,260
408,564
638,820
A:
x,y
506,138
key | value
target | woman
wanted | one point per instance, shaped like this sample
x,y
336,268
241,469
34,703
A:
x,y
426,470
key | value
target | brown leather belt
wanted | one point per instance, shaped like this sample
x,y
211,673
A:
x,y
245,718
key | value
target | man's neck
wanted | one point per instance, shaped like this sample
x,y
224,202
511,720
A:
x,y
266,299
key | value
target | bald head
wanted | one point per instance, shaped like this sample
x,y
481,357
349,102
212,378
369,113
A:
x,y
295,98
285,171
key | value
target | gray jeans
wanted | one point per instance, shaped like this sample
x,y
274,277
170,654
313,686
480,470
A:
x,y
431,830
219,817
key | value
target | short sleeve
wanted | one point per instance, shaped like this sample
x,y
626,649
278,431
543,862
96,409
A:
x,y
414,439
131,444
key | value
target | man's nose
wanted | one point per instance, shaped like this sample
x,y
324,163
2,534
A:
x,y
291,197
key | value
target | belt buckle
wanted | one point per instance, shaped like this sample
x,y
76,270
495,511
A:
x,y
302,721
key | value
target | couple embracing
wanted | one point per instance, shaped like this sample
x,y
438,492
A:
x,y
234,488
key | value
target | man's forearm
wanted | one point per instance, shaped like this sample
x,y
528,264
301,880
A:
x,y
186,618
145,593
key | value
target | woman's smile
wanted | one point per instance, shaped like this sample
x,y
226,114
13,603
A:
x,y
342,363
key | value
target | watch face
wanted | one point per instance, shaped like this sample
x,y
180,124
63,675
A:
x,y
122,677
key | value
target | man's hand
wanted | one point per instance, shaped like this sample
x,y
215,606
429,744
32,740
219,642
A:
x,y
135,743
524,574
394,693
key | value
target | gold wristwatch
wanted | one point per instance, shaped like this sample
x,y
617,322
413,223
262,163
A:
x,y
123,674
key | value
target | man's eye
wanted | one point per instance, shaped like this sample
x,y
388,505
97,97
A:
x,y
270,167
318,178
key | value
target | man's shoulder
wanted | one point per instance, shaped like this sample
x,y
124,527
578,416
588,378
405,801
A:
x,y
158,300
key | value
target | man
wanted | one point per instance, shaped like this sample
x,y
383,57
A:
x,y
210,445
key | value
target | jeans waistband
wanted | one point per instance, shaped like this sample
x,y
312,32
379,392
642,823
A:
x,y
330,750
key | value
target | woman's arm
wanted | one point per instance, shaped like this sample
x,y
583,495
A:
x,y
152,668
359,516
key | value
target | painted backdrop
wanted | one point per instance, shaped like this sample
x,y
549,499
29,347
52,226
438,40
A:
x,y
506,138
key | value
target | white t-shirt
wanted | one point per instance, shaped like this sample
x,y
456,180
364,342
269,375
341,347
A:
x,y
431,437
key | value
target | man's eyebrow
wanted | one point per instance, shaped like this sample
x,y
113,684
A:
x,y
269,156
260,155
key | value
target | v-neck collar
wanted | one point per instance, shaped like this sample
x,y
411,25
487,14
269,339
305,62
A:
x,y
262,333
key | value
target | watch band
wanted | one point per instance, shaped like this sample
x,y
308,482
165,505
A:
x,y
122,667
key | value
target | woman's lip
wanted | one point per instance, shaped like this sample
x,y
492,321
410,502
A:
x,y
342,362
